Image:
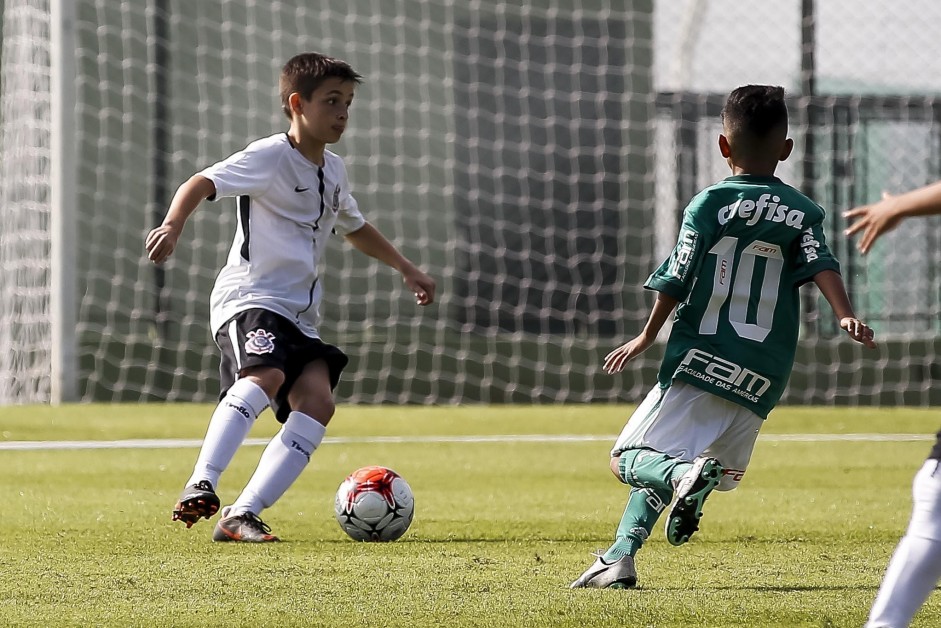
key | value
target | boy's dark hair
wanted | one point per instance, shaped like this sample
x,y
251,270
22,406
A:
x,y
305,72
753,112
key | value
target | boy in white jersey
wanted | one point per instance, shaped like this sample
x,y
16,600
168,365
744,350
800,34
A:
x,y
292,193
915,567
746,244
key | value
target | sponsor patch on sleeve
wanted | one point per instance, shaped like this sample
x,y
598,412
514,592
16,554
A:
x,y
683,254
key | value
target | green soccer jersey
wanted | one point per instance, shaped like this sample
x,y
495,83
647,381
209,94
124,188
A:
x,y
746,245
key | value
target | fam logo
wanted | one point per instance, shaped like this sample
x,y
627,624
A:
x,y
711,369
259,342
336,200
683,254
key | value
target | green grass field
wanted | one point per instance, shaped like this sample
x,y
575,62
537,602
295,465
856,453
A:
x,y
500,530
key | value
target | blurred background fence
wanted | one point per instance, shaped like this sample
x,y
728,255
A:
x,y
534,158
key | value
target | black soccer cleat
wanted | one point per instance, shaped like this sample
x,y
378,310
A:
x,y
196,501
244,528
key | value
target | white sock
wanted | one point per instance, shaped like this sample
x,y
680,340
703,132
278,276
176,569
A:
x,y
281,464
915,567
228,427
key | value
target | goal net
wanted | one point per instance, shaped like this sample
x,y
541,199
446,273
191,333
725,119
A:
x,y
533,157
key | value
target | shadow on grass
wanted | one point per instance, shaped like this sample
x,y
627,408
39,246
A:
x,y
761,588
425,541
796,589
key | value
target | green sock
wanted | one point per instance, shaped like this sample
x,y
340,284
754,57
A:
x,y
646,468
640,516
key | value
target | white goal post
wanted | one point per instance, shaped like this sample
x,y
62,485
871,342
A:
x,y
63,385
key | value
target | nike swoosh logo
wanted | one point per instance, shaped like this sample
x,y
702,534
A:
x,y
298,188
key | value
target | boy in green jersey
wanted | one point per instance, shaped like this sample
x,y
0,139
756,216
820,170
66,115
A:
x,y
745,246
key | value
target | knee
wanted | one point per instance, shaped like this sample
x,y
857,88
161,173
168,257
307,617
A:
x,y
616,467
320,407
312,393
267,378
327,409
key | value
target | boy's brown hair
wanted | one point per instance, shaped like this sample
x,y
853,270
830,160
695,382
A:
x,y
305,72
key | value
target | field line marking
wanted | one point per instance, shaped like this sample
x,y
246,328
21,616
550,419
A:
x,y
177,443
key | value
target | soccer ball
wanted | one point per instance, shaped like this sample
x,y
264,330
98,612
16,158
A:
x,y
374,504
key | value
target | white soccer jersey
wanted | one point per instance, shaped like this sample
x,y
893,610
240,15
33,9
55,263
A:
x,y
287,208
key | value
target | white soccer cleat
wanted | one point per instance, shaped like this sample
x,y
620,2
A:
x,y
621,574
691,493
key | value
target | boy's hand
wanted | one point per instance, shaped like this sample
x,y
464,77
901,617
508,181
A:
x,y
858,331
873,220
614,362
161,242
422,285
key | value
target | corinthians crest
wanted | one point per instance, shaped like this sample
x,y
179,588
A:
x,y
259,342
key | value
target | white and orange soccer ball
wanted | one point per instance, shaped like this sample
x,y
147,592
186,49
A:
x,y
374,504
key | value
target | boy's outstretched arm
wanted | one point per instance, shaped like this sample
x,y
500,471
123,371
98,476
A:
x,y
370,241
831,286
614,362
161,242
878,218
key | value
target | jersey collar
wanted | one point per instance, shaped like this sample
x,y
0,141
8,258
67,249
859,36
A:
x,y
752,178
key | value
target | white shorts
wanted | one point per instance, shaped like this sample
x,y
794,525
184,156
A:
x,y
687,422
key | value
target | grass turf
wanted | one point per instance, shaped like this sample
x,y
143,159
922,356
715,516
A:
x,y
501,528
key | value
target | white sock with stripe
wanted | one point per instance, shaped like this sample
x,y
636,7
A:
x,y
228,427
282,462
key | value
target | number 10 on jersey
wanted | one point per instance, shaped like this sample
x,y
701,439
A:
x,y
733,279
